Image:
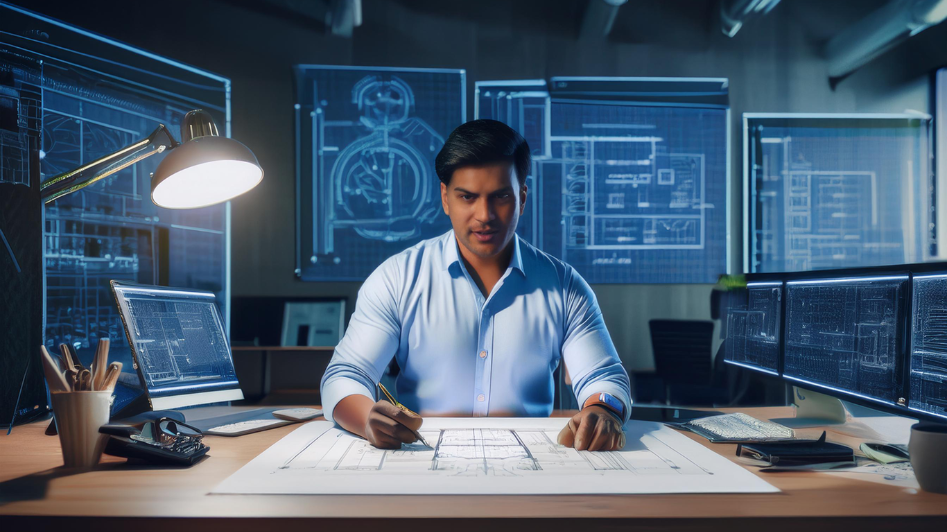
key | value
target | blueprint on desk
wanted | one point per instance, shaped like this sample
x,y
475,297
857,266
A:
x,y
489,456
367,139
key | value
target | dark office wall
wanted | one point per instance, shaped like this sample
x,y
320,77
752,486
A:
x,y
773,64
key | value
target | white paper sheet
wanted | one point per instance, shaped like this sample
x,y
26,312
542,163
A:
x,y
489,456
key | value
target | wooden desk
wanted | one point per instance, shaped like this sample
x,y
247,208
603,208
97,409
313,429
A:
x,y
36,493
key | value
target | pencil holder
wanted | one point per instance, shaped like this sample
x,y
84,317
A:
x,y
78,418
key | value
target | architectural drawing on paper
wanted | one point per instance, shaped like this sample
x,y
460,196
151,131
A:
x,y
845,334
477,452
489,456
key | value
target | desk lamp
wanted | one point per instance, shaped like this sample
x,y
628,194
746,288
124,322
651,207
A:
x,y
203,169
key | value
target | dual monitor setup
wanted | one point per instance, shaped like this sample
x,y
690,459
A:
x,y
873,336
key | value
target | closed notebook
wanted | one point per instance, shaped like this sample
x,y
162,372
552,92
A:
x,y
796,452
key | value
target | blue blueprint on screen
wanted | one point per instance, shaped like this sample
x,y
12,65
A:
x,y
928,392
840,194
629,194
643,192
845,334
367,139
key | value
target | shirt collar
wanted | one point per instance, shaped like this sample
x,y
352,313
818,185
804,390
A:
x,y
452,253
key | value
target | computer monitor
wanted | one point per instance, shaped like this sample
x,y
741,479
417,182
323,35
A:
x,y
847,334
178,344
874,336
754,321
927,378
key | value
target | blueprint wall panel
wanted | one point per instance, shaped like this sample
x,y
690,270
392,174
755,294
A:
x,y
846,334
844,194
928,377
111,229
641,192
753,326
366,142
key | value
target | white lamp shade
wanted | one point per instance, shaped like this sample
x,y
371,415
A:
x,y
204,171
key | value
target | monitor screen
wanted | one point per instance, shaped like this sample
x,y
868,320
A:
x,y
845,334
753,326
179,345
928,373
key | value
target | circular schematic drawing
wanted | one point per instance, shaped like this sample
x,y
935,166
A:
x,y
383,184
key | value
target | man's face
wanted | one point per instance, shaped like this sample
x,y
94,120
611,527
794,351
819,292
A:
x,y
484,204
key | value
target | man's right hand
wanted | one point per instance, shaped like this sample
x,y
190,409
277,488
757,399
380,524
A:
x,y
388,426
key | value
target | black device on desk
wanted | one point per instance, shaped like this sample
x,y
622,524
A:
x,y
158,439
793,453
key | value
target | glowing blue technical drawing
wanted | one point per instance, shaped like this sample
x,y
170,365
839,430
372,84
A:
x,y
837,191
372,135
628,193
99,95
643,192
845,334
928,377
753,327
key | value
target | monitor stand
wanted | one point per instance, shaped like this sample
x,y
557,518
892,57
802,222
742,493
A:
x,y
813,409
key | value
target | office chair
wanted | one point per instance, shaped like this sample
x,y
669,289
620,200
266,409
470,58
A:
x,y
682,358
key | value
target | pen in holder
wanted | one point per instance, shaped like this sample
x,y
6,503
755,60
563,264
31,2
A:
x,y
80,401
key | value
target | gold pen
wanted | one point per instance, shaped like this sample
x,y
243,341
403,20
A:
x,y
403,408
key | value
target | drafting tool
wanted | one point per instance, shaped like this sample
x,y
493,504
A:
x,y
405,409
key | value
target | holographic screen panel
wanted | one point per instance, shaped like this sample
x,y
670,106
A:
x,y
366,143
636,194
831,192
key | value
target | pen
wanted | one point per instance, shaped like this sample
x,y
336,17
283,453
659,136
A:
x,y
403,408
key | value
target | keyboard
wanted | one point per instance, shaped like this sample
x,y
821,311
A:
x,y
246,427
737,427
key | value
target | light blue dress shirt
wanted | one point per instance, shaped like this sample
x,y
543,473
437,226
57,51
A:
x,y
466,355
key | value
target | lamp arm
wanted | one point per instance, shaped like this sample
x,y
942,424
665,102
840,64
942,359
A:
x,y
83,176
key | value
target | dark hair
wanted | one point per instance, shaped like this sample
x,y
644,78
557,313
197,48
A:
x,y
481,142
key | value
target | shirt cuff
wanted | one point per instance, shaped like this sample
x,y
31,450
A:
x,y
615,391
334,390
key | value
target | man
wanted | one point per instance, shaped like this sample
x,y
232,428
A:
x,y
477,319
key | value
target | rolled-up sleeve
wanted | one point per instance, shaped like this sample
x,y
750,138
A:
x,y
587,348
370,341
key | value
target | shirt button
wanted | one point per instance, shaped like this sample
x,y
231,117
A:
x,y
481,398
483,354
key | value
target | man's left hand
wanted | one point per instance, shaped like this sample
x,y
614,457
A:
x,y
593,429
